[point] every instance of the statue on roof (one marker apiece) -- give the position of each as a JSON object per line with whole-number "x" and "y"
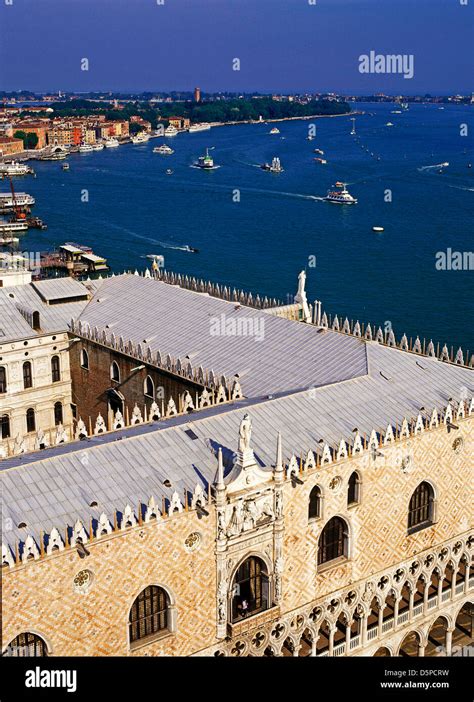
{"x": 245, "y": 433}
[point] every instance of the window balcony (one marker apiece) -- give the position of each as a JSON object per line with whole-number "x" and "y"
{"x": 253, "y": 621}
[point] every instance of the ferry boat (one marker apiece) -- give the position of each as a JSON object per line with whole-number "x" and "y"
{"x": 21, "y": 200}
{"x": 85, "y": 148}
{"x": 14, "y": 168}
{"x": 163, "y": 149}
{"x": 98, "y": 146}
{"x": 111, "y": 143}
{"x": 170, "y": 131}
{"x": 205, "y": 162}
{"x": 275, "y": 130}
{"x": 139, "y": 138}
{"x": 341, "y": 196}
{"x": 273, "y": 167}
{"x": 199, "y": 127}
{"x": 13, "y": 227}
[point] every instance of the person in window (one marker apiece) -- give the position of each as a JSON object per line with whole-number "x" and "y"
{"x": 244, "y": 606}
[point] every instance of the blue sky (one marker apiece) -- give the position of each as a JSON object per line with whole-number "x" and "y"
{"x": 283, "y": 45}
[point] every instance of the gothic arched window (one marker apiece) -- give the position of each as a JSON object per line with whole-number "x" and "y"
{"x": 30, "y": 420}
{"x": 115, "y": 372}
{"x": 84, "y": 359}
{"x": 149, "y": 613}
{"x": 421, "y": 508}
{"x": 353, "y": 489}
{"x": 315, "y": 500}
{"x": 333, "y": 542}
{"x": 55, "y": 369}
{"x": 27, "y": 375}
{"x": 25, "y": 645}
{"x": 250, "y": 589}
{"x": 149, "y": 387}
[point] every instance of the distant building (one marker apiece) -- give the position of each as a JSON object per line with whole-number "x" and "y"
{"x": 197, "y": 94}
{"x": 10, "y": 146}
{"x": 180, "y": 122}
{"x": 38, "y": 128}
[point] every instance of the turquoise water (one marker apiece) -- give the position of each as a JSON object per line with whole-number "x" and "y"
{"x": 263, "y": 241}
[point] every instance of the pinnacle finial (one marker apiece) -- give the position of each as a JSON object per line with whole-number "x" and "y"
{"x": 279, "y": 456}
{"x": 220, "y": 485}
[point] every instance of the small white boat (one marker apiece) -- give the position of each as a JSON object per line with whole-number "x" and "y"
{"x": 199, "y": 127}
{"x": 389, "y": 124}
{"x": 170, "y": 131}
{"x": 111, "y": 143}
{"x": 65, "y": 166}
{"x": 97, "y": 147}
{"x": 377, "y": 229}
{"x": 274, "y": 167}
{"x": 163, "y": 149}
{"x": 341, "y": 196}
{"x": 275, "y": 130}
{"x": 139, "y": 138}
{"x": 85, "y": 148}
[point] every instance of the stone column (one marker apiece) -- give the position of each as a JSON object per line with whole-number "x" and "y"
{"x": 425, "y": 596}
{"x": 363, "y": 630}
{"x": 380, "y": 622}
{"x": 421, "y": 651}
{"x": 348, "y": 637}
{"x": 449, "y": 642}
{"x": 466, "y": 579}
{"x": 453, "y": 585}
{"x": 395, "y": 612}
{"x": 411, "y": 602}
{"x": 314, "y": 643}
{"x": 332, "y": 631}
{"x": 440, "y": 589}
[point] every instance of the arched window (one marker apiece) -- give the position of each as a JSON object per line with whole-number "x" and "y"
{"x": 25, "y": 645}
{"x": 421, "y": 508}
{"x": 149, "y": 387}
{"x": 27, "y": 375}
{"x": 5, "y": 427}
{"x": 333, "y": 542}
{"x": 84, "y": 359}
{"x": 149, "y": 613}
{"x": 314, "y": 508}
{"x": 58, "y": 413}
{"x": 55, "y": 369}
{"x": 115, "y": 372}
{"x": 353, "y": 489}
{"x": 3, "y": 379}
{"x": 30, "y": 420}
{"x": 250, "y": 589}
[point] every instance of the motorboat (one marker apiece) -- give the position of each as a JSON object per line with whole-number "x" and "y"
{"x": 341, "y": 196}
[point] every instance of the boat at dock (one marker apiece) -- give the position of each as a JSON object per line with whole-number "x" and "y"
{"x": 170, "y": 131}
{"x": 13, "y": 227}
{"x": 54, "y": 153}
{"x": 341, "y": 196}
{"x": 274, "y": 167}
{"x": 140, "y": 138}
{"x": 8, "y": 201}
{"x": 199, "y": 127}
{"x": 8, "y": 241}
{"x": 163, "y": 149}
{"x": 14, "y": 168}
{"x": 111, "y": 143}
{"x": 98, "y": 146}
{"x": 85, "y": 148}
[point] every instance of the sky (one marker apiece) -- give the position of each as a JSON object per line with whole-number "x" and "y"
{"x": 282, "y": 45}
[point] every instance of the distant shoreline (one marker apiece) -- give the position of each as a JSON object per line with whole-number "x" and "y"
{"x": 283, "y": 119}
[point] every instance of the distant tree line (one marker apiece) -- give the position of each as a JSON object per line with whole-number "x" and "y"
{"x": 234, "y": 110}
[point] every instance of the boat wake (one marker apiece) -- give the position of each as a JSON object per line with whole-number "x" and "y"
{"x": 436, "y": 165}
{"x": 200, "y": 168}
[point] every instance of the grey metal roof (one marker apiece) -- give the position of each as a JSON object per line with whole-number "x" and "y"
{"x": 179, "y": 322}
{"x": 12, "y": 323}
{"x": 59, "y": 288}
{"x": 55, "y": 491}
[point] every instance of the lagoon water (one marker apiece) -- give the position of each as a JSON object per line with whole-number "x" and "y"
{"x": 262, "y": 241}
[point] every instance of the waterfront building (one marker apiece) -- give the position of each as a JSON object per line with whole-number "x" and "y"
{"x": 179, "y": 123}
{"x": 38, "y": 128}
{"x": 10, "y": 146}
{"x": 247, "y": 477}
